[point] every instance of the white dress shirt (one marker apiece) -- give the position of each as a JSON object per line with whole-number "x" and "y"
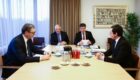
{"x": 83, "y": 35}
{"x": 25, "y": 40}
{"x": 116, "y": 40}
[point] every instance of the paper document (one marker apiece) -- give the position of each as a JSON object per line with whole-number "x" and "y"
{"x": 98, "y": 50}
{"x": 38, "y": 55}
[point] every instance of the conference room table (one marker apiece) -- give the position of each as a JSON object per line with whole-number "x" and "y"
{"x": 98, "y": 70}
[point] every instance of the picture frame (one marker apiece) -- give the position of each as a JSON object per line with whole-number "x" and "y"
{"x": 107, "y": 15}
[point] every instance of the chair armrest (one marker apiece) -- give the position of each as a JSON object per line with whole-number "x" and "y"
{"x": 132, "y": 69}
{"x": 10, "y": 67}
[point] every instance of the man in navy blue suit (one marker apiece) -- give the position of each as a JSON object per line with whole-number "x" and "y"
{"x": 21, "y": 50}
{"x": 59, "y": 36}
{"x": 120, "y": 50}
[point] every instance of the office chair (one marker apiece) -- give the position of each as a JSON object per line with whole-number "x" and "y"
{"x": 39, "y": 42}
{"x": 8, "y": 67}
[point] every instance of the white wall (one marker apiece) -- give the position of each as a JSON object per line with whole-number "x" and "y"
{"x": 137, "y": 7}
{"x": 87, "y": 11}
{"x": 137, "y": 10}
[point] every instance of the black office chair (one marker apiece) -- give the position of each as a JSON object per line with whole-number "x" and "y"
{"x": 2, "y": 62}
{"x": 134, "y": 71}
{"x": 39, "y": 42}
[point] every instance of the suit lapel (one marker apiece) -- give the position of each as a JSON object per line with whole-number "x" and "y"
{"x": 86, "y": 34}
{"x": 61, "y": 36}
{"x": 80, "y": 36}
{"x": 24, "y": 47}
{"x": 29, "y": 48}
{"x": 22, "y": 41}
{"x": 118, "y": 43}
{"x": 115, "y": 51}
{"x": 56, "y": 37}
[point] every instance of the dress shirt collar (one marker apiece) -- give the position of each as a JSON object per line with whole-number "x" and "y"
{"x": 25, "y": 39}
{"x": 116, "y": 40}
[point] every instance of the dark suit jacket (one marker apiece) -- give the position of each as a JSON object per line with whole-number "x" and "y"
{"x": 54, "y": 39}
{"x": 121, "y": 54}
{"x": 89, "y": 36}
{"x": 17, "y": 56}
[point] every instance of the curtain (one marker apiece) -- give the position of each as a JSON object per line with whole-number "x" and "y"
{"x": 67, "y": 14}
{"x": 15, "y": 13}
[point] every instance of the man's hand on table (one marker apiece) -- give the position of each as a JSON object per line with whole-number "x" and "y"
{"x": 46, "y": 56}
{"x": 99, "y": 56}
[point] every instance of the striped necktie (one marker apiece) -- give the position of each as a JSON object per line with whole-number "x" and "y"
{"x": 84, "y": 36}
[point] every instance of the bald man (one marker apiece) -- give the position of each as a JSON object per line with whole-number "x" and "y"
{"x": 59, "y": 37}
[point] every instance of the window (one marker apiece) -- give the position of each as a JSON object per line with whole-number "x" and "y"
{"x": 15, "y": 13}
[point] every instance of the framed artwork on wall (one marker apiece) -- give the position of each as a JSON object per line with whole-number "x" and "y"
{"x": 107, "y": 15}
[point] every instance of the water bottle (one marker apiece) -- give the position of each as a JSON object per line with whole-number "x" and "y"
{"x": 82, "y": 50}
{"x": 66, "y": 56}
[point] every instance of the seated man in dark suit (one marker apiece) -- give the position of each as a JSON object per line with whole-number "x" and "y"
{"x": 83, "y": 35}
{"x": 59, "y": 37}
{"x": 120, "y": 50}
{"x": 21, "y": 51}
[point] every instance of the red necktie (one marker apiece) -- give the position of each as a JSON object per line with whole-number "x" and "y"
{"x": 84, "y": 37}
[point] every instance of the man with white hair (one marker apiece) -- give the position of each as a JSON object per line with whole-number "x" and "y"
{"x": 59, "y": 37}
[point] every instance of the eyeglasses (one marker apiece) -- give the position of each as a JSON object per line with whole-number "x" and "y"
{"x": 32, "y": 32}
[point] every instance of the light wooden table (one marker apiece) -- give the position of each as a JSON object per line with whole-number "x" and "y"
{"x": 99, "y": 70}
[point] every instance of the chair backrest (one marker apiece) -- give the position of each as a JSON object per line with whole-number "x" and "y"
{"x": 38, "y": 40}
{"x": 138, "y": 69}
{"x": 138, "y": 65}
{"x": 1, "y": 62}
{"x": 136, "y": 59}
{"x": 109, "y": 42}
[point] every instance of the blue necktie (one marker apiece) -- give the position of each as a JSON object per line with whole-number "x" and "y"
{"x": 29, "y": 50}
{"x": 113, "y": 48}
{"x": 59, "y": 37}
{"x": 114, "y": 44}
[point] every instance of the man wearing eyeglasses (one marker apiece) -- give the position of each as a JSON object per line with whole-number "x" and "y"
{"x": 21, "y": 50}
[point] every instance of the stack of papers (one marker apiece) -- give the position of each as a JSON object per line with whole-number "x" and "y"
{"x": 98, "y": 50}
